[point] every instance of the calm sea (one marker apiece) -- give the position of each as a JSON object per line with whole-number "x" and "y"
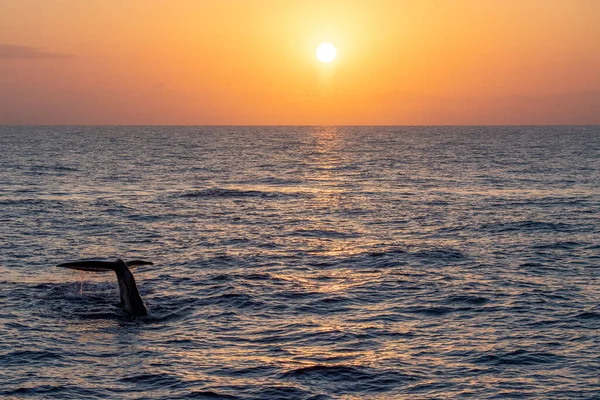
{"x": 302, "y": 262}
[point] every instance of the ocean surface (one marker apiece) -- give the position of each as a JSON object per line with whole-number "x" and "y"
{"x": 302, "y": 262}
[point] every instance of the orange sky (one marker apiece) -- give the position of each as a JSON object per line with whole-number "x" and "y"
{"x": 253, "y": 62}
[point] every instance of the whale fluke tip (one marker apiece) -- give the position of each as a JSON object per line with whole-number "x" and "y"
{"x": 135, "y": 263}
{"x": 89, "y": 265}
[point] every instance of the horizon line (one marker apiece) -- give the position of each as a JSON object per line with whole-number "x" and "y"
{"x": 299, "y": 125}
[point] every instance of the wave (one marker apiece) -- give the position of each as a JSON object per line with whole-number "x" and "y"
{"x": 433, "y": 311}
{"x": 56, "y": 391}
{"x": 440, "y": 253}
{"x": 52, "y": 168}
{"x": 237, "y": 300}
{"x": 518, "y": 357}
{"x": 30, "y": 201}
{"x": 29, "y": 356}
{"x": 207, "y": 394}
{"x": 527, "y": 226}
{"x": 589, "y": 315}
{"x": 335, "y": 372}
{"x": 235, "y": 193}
{"x": 154, "y": 380}
{"x": 467, "y": 299}
{"x": 386, "y": 252}
{"x": 352, "y": 377}
{"x": 324, "y": 233}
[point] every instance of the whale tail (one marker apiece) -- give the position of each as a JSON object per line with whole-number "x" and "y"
{"x": 130, "y": 297}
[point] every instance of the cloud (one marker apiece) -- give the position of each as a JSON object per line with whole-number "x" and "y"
{"x": 14, "y": 52}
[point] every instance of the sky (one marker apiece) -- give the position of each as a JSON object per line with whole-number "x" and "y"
{"x": 253, "y": 62}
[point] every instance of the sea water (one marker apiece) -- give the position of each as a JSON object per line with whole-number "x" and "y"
{"x": 302, "y": 262}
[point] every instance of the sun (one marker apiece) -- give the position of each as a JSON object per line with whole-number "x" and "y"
{"x": 326, "y": 52}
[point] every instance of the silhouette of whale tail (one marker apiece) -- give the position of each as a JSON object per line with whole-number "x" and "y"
{"x": 130, "y": 297}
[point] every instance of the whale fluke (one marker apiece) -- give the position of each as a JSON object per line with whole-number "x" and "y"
{"x": 130, "y": 297}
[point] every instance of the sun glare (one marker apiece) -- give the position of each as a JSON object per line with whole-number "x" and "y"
{"x": 326, "y": 52}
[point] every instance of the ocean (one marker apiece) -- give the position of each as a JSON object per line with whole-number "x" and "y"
{"x": 302, "y": 262}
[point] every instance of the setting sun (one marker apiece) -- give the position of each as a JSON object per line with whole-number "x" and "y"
{"x": 326, "y": 52}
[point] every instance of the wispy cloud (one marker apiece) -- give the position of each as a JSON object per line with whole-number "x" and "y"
{"x": 15, "y": 52}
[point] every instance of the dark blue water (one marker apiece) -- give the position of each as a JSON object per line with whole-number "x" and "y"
{"x": 302, "y": 262}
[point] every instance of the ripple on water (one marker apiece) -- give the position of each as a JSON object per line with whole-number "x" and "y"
{"x": 517, "y": 357}
{"x": 207, "y": 394}
{"x": 233, "y": 193}
{"x": 349, "y": 378}
{"x": 30, "y": 357}
{"x": 527, "y": 226}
